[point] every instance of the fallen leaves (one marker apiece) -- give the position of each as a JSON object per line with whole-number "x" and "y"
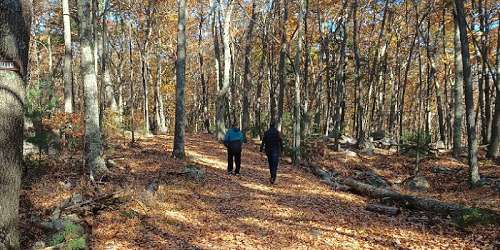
{"x": 227, "y": 212}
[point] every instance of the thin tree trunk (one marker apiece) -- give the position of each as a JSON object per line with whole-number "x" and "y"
{"x": 495, "y": 133}
{"x": 469, "y": 95}
{"x": 246, "y": 73}
{"x": 93, "y": 141}
{"x": 178, "y": 151}
{"x": 281, "y": 67}
{"x": 15, "y": 28}
{"x": 204, "y": 83}
{"x": 131, "y": 79}
{"x": 105, "y": 63}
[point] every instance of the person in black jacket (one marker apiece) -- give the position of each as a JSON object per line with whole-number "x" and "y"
{"x": 273, "y": 144}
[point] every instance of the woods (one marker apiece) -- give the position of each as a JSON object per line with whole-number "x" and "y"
{"x": 411, "y": 79}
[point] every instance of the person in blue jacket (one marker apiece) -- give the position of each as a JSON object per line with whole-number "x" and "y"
{"x": 233, "y": 141}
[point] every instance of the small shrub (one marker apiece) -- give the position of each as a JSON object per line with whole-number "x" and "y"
{"x": 195, "y": 172}
{"x": 73, "y": 237}
{"x": 414, "y": 143}
{"x": 473, "y": 216}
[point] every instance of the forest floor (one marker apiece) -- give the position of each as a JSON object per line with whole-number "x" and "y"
{"x": 219, "y": 211}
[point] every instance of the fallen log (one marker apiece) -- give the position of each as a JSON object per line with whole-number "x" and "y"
{"x": 462, "y": 213}
{"x": 381, "y": 209}
{"x": 96, "y": 204}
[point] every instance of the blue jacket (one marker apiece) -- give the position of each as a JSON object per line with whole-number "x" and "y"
{"x": 232, "y": 135}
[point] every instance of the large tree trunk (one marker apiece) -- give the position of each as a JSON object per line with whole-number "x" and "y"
{"x": 297, "y": 104}
{"x": 495, "y": 133}
{"x": 93, "y": 143}
{"x": 469, "y": 94}
{"x": 15, "y": 28}
{"x": 246, "y": 73}
{"x": 68, "y": 59}
{"x": 458, "y": 93}
{"x": 215, "y": 34}
{"x": 178, "y": 151}
{"x": 222, "y": 95}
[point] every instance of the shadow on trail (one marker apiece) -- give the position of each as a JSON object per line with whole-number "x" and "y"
{"x": 227, "y": 212}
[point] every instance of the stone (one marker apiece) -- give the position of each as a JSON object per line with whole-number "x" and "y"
{"x": 371, "y": 179}
{"x": 378, "y": 135}
{"x": 29, "y": 148}
{"x": 440, "y": 145}
{"x": 76, "y": 198}
{"x": 418, "y": 183}
{"x": 195, "y": 172}
{"x": 39, "y": 245}
{"x": 152, "y": 187}
{"x": 350, "y": 153}
{"x": 443, "y": 170}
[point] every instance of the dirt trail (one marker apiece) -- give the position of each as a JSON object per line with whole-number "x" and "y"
{"x": 228, "y": 212}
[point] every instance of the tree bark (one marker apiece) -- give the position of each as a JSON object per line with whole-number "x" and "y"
{"x": 105, "y": 64}
{"x": 222, "y": 95}
{"x": 68, "y": 60}
{"x": 282, "y": 65}
{"x": 297, "y": 104}
{"x": 495, "y": 133}
{"x": 178, "y": 151}
{"x": 469, "y": 94}
{"x": 93, "y": 142}
{"x": 131, "y": 79}
{"x": 246, "y": 73}
{"x": 15, "y": 28}
{"x": 458, "y": 93}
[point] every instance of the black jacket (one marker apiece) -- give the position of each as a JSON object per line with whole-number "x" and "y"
{"x": 272, "y": 141}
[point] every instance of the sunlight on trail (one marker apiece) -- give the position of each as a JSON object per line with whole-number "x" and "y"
{"x": 201, "y": 159}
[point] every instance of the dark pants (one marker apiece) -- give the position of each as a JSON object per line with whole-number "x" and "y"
{"x": 274, "y": 159}
{"x": 236, "y": 155}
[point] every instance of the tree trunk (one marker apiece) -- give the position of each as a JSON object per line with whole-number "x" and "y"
{"x": 93, "y": 141}
{"x": 495, "y": 133}
{"x": 204, "y": 82}
{"x": 469, "y": 94}
{"x": 360, "y": 134}
{"x": 105, "y": 64}
{"x": 458, "y": 93}
{"x": 246, "y": 74}
{"x": 222, "y": 95}
{"x": 282, "y": 65}
{"x": 145, "y": 91}
{"x": 68, "y": 59}
{"x": 15, "y": 28}
{"x": 162, "y": 126}
{"x": 297, "y": 104}
{"x": 215, "y": 34}
{"x": 131, "y": 79}
{"x": 178, "y": 151}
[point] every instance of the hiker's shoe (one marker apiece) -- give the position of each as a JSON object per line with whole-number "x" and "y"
{"x": 237, "y": 175}
{"x": 271, "y": 180}
{"x": 229, "y": 172}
